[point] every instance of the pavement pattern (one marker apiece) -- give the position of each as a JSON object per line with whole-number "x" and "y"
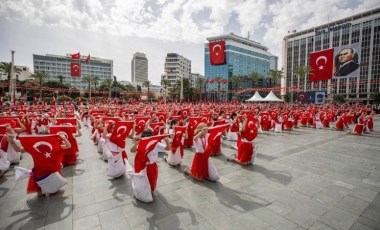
{"x": 303, "y": 179}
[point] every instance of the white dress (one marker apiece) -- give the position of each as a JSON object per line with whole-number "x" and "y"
{"x": 175, "y": 158}
{"x": 140, "y": 183}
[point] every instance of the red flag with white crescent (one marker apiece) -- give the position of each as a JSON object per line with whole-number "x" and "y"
{"x": 120, "y": 132}
{"x": 321, "y": 65}
{"x": 140, "y": 124}
{"x": 45, "y": 151}
{"x": 217, "y": 53}
{"x": 145, "y": 145}
{"x": 250, "y": 130}
{"x": 71, "y": 121}
{"x": 75, "y": 69}
{"x": 75, "y": 56}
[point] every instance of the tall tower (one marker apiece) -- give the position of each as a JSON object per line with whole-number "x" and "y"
{"x": 139, "y": 68}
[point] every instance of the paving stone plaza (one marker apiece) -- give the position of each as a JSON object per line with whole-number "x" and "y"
{"x": 303, "y": 179}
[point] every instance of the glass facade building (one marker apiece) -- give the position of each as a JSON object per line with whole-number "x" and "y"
{"x": 243, "y": 57}
{"x": 361, "y": 30}
{"x": 55, "y": 65}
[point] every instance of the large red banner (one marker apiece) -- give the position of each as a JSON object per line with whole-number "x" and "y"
{"x": 217, "y": 56}
{"x": 75, "y": 69}
{"x": 321, "y": 65}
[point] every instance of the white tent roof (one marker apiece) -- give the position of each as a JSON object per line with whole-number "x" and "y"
{"x": 271, "y": 97}
{"x": 256, "y": 97}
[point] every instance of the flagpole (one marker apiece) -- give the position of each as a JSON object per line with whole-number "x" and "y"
{"x": 11, "y": 83}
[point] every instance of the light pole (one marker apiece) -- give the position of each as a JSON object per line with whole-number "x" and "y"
{"x": 181, "y": 90}
{"x": 11, "y": 83}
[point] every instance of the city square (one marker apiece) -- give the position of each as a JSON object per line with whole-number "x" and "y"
{"x": 302, "y": 179}
{"x": 188, "y": 114}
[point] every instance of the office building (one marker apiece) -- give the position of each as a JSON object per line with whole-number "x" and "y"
{"x": 57, "y": 65}
{"x": 176, "y": 67}
{"x": 359, "y": 33}
{"x": 139, "y": 68}
{"x": 242, "y": 58}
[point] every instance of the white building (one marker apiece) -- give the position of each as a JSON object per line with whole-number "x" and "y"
{"x": 56, "y": 65}
{"x": 139, "y": 68}
{"x": 176, "y": 66}
{"x": 194, "y": 78}
{"x": 361, "y": 31}
{"x": 23, "y": 74}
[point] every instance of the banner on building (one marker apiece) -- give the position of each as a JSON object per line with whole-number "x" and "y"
{"x": 217, "y": 53}
{"x": 75, "y": 69}
{"x": 346, "y": 61}
{"x": 321, "y": 65}
{"x": 317, "y": 97}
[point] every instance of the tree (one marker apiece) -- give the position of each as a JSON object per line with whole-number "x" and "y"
{"x": 339, "y": 99}
{"x": 275, "y": 75}
{"x": 6, "y": 68}
{"x": 165, "y": 83}
{"x": 95, "y": 80}
{"x": 236, "y": 82}
{"x": 301, "y": 72}
{"x": 87, "y": 79}
{"x": 376, "y": 97}
{"x": 106, "y": 85}
{"x": 60, "y": 77}
{"x": 40, "y": 77}
{"x": 199, "y": 84}
{"x": 147, "y": 84}
{"x": 255, "y": 78}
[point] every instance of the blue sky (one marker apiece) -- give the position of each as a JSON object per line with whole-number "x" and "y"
{"x": 116, "y": 29}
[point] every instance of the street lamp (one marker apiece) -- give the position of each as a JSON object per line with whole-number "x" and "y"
{"x": 181, "y": 90}
{"x": 11, "y": 83}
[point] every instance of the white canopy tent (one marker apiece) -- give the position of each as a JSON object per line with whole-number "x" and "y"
{"x": 272, "y": 98}
{"x": 255, "y": 97}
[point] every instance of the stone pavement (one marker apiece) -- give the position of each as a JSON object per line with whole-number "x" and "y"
{"x": 304, "y": 179}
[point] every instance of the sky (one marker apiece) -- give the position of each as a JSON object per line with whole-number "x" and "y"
{"x": 116, "y": 29}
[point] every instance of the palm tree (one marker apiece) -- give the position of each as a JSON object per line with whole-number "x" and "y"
{"x": 95, "y": 80}
{"x": 275, "y": 75}
{"x": 236, "y": 82}
{"x": 60, "y": 77}
{"x": 255, "y": 78}
{"x": 301, "y": 72}
{"x": 165, "y": 83}
{"x": 147, "y": 84}
{"x": 199, "y": 84}
{"x": 87, "y": 79}
{"x": 40, "y": 77}
{"x": 5, "y": 67}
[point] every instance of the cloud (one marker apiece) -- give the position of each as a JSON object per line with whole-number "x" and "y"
{"x": 188, "y": 21}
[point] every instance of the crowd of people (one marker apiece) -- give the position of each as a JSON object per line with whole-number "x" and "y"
{"x": 48, "y": 133}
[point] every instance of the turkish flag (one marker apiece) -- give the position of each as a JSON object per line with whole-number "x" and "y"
{"x": 75, "y": 56}
{"x": 88, "y": 58}
{"x": 156, "y": 127}
{"x": 12, "y": 121}
{"x": 216, "y": 131}
{"x": 140, "y": 124}
{"x": 250, "y": 130}
{"x": 185, "y": 112}
{"x": 321, "y": 65}
{"x": 145, "y": 145}
{"x": 75, "y": 69}
{"x": 177, "y": 138}
{"x": 71, "y": 121}
{"x": 120, "y": 132}
{"x": 216, "y": 49}
{"x": 162, "y": 117}
{"x": 45, "y": 151}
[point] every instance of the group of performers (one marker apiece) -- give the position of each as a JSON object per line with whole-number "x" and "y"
{"x": 48, "y": 134}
